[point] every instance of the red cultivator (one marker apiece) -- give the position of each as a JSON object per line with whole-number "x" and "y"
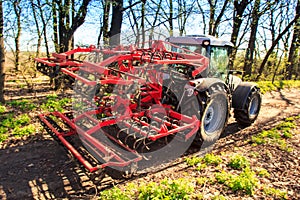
{"x": 126, "y": 102}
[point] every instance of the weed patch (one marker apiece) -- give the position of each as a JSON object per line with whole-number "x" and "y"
{"x": 275, "y": 193}
{"x": 2, "y": 109}
{"x": 23, "y": 105}
{"x": 277, "y": 135}
{"x": 53, "y": 104}
{"x": 245, "y": 181}
{"x": 238, "y": 162}
{"x": 261, "y": 172}
{"x": 212, "y": 159}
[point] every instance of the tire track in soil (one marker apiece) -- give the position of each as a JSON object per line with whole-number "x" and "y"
{"x": 39, "y": 168}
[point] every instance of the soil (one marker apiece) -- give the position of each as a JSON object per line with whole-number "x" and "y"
{"x": 37, "y": 167}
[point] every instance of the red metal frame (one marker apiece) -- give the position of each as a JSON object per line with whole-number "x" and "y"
{"x": 121, "y": 70}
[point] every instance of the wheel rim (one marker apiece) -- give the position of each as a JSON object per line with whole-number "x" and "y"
{"x": 214, "y": 116}
{"x": 253, "y": 106}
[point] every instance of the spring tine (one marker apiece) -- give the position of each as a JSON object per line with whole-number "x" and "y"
{"x": 145, "y": 145}
{"x": 133, "y": 133}
{"x": 155, "y": 114}
{"x": 145, "y": 119}
{"x": 155, "y": 124}
{"x": 122, "y": 130}
{"x": 137, "y": 143}
{"x": 145, "y": 129}
{"x": 152, "y": 132}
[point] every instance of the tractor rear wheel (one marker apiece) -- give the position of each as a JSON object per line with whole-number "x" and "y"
{"x": 250, "y": 112}
{"x": 214, "y": 117}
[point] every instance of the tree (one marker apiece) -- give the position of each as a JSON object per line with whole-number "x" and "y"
{"x": 275, "y": 42}
{"x": 184, "y": 12}
{"x": 251, "y": 44}
{"x": 67, "y": 18}
{"x": 214, "y": 22}
{"x": 239, "y": 9}
{"x": 2, "y": 55}
{"x": 116, "y": 23}
{"x": 105, "y": 23}
{"x": 17, "y": 11}
{"x": 293, "y": 58}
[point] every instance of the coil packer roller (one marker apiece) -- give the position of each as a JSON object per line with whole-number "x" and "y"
{"x": 123, "y": 109}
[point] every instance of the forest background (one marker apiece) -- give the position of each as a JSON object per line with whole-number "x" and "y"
{"x": 265, "y": 34}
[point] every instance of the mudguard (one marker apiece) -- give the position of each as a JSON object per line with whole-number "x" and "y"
{"x": 240, "y": 95}
{"x": 204, "y": 84}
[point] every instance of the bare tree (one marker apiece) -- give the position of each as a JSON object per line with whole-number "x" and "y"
{"x": 184, "y": 12}
{"x": 156, "y": 17}
{"x": 42, "y": 16}
{"x": 277, "y": 39}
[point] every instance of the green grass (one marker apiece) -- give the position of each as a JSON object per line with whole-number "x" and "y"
{"x": 218, "y": 197}
{"x": 202, "y": 162}
{"x": 182, "y": 188}
{"x": 10, "y": 121}
{"x": 268, "y": 86}
{"x": 17, "y": 126}
{"x": 193, "y": 161}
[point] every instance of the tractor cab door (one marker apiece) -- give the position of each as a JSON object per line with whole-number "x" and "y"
{"x": 219, "y": 60}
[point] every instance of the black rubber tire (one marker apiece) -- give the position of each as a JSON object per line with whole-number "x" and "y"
{"x": 214, "y": 117}
{"x": 251, "y": 110}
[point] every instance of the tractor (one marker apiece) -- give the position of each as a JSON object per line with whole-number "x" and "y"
{"x": 219, "y": 88}
{"x": 136, "y": 104}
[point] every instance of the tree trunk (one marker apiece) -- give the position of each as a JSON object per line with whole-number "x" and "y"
{"x": 293, "y": 58}
{"x": 17, "y": 10}
{"x": 251, "y": 45}
{"x": 219, "y": 17}
{"x": 2, "y": 55}
{"x": 105, "y": 22}
{"x": 55, "y": 27}
{"x": 143, "y": 24}
{"x": 212, "y": 10}
{"x": 39, "y": 40}
{"x": 239, "y": 9}
{"x": 116, "y": 23}
{"x": 171, "y": 18}
{"x": 156, "y": 16}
